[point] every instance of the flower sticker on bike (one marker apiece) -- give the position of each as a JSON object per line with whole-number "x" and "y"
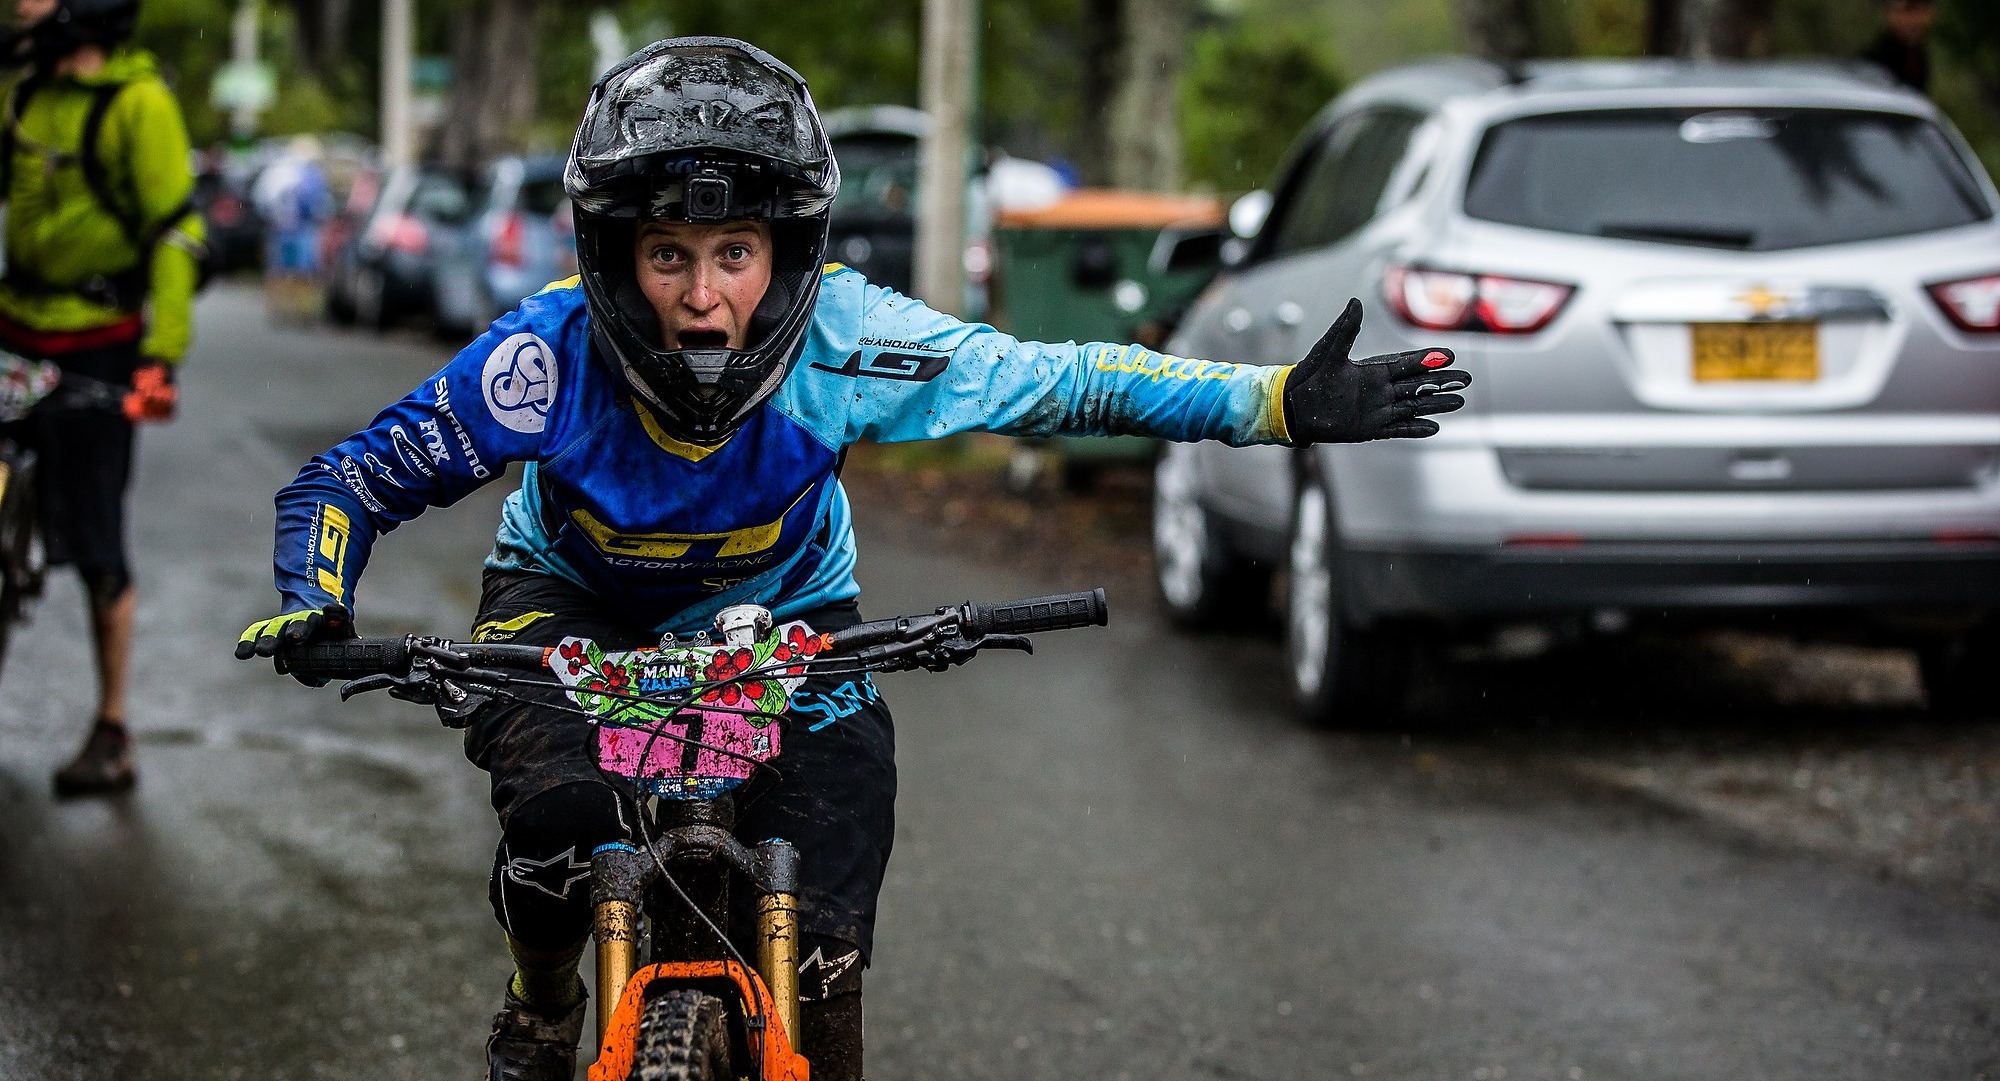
{"x": 706, "y": 718}
{"x": 519, "y": 382}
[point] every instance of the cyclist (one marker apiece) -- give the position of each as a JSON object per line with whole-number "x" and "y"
{"x": 102, "y": 243}
{"x": 682, "y": 407}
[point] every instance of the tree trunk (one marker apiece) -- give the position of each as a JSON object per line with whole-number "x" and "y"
{"x": 493, "y": 82}
{"x": 1663, "y": 27}
{"x": 323, "y": 27}
{"x": 1145, "y": 144}
{"x": 1103, "y": 34}
{"x": 1499, "y": 29}
{"x": 1726, "y": 29}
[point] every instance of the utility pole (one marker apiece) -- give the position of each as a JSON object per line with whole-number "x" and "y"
{"x": 396, "y": 111}
{"x": 243, "y": 52}
{"x": 947, "y": 98}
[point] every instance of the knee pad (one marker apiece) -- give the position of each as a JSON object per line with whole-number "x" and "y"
{"x": 540, "y": 887}
{"x": 829, "y": 967}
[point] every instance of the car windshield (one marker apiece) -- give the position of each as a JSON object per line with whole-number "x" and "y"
{"x": 1751, "y": 180}
{"x": 878, "y": 178}
{"x": 542, "y": 195}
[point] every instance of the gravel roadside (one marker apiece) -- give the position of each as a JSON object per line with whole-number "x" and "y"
{"x": 1821, "y": 747}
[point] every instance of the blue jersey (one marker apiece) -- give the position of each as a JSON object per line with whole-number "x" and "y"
{"x": 668, "y": 533}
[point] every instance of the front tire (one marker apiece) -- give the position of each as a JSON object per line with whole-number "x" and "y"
{"x": 22, "y": 561}
{"x": 1341, "y": 674}
{"x": 683, "y": 1036}
{"x": 1201, "y": 583}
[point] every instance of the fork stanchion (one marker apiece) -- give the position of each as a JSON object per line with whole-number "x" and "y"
{"x": 617, "y": 931}
{"x": 778, "y": 932}
{"x": 615, "y": 886}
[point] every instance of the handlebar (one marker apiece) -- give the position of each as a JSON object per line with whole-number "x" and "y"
{"x": 874, "y": 643}
{"x": 354, "y": 658}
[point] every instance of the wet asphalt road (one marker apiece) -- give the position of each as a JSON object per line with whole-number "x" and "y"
{"x": 1116, "y": 859}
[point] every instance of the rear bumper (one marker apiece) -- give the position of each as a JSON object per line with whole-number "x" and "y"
{"x": 1650, "y": 578}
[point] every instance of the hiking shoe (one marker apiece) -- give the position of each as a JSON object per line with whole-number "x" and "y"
{"x": 104, "y": 764}
{"x": 526, "y": 1046}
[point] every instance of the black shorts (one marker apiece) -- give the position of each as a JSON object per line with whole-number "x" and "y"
{"x": 85, "y": 465}
{"x": 834, "y": 793}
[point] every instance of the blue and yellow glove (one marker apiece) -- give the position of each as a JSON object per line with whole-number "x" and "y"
{"x": 266, "y": 637}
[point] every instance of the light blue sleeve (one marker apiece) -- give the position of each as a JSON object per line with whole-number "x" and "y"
{"x": 898, "y": 371}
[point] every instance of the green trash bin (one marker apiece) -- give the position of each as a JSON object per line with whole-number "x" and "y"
{"x": 1083, "y": 270}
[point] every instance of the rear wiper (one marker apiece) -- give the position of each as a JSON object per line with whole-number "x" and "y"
{"x": 1706, "y": 236}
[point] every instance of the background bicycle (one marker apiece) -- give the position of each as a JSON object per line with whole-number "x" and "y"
{"x": 28, "y": 387}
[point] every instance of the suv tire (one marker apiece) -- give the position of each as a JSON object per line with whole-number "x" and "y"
{"x": 1340, "y": 674}
{"x": 1202, "y": 583}
{"x": 1958, "y": 672}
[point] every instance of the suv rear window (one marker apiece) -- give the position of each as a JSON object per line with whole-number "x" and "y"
{"x": 1747, "y": 179}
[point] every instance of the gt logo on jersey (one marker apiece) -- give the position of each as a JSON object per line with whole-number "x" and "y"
{"x": 906, "y": 367}
{"x": 330, "y": 549}
{"x": 737, "y": 543}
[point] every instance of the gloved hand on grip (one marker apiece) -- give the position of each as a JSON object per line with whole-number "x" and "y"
{"x": 153, "y": 395}
{"x": 265, "y": 637}
{"x": 1332, "y": 399}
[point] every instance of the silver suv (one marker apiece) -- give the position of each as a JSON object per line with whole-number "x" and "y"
{"x": 1736, "y": 331}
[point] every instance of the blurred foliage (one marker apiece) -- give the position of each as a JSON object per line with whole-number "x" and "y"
{"x": 1247, "y": 93}
{"x": 1258, "y": 69}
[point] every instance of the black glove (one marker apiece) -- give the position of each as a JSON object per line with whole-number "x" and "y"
{"x": 266, "y": 637}
{"x": 1331, "y": 399}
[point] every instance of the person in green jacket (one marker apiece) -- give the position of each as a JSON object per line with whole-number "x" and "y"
{"x": 102, "y": 256}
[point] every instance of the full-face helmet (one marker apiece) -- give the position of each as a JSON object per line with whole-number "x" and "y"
{"x": 700, "y": 129}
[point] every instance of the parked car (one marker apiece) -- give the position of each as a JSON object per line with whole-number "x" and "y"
{"x": 222, "y": 195}
{"x": 1735, "y": 332}
{"x": 382, "y": 273}
{"x": 523, "y": 240}
{"x": 875, "y": 212}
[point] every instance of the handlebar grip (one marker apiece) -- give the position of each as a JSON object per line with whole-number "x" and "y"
{"x": 350, "y": 658}
{"x": 1059, "y": 612}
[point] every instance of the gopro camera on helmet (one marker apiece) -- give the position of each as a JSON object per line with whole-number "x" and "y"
{"x": 706, "y": 197}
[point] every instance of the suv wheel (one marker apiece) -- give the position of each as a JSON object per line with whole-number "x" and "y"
{"x": 1341, "y": 674}
{"x": 1957, "y": 672}
{"x": 1200, "y": 581}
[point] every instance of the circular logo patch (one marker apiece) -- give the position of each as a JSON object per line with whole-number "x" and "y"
{"x": 520, "y": 383}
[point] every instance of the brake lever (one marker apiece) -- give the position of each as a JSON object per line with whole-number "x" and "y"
{"x": 956, "y": 651}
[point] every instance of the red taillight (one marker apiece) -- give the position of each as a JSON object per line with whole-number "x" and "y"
{"x": 401, "y": 232}
{"x": 1973, "y": 304}
{"x": 1486, "y": 303}
{"x": 509, "y": 241}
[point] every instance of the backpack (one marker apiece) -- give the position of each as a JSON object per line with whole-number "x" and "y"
{"x": 125, "y": 290}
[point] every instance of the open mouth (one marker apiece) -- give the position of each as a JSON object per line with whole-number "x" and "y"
{"x": 704, "y": 339}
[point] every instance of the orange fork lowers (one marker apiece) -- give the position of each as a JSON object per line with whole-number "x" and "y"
{"x": 621, "y": 1029}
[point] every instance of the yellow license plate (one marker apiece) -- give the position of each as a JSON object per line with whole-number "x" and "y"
{"x": 1766, "y": 352}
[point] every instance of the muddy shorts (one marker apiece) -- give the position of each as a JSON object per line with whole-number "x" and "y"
{"x": 833, "y": 795}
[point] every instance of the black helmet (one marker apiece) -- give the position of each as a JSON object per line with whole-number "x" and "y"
{"x": 72, "y": 24}
{"x": 700, "y": 129}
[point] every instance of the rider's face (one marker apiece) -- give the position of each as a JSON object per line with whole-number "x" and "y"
{"x": 30, "y": 12}
{"x": 703, "y": 281}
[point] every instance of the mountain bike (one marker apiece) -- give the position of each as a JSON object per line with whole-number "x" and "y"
{"x": 28, "y": 387}
{"x": 680, "y": 727}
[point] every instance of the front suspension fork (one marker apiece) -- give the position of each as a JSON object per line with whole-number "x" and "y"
{"x": 619, "y": 875}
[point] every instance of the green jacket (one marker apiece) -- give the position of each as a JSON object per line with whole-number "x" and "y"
{"x": 58, "y": 231}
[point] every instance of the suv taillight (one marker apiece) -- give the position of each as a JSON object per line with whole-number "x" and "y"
{"x": 1971, "y": 303}
{"x": 509, "y": 241}
{"x": 1485, "y": 303}
{"x": 401, "y": 232}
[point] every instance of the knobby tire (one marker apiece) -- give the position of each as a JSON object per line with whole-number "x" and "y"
{"x": 683, "y": 1036}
